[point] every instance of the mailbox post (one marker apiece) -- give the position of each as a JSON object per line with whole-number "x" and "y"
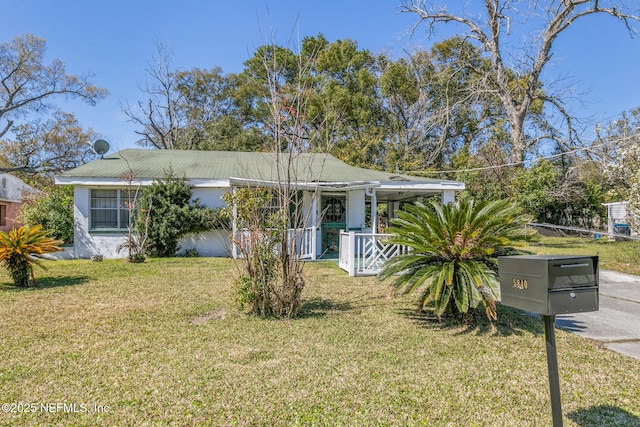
{"x": 550, "y": 285}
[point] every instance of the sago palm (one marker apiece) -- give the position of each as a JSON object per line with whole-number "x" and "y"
{"x": 454, "y": 249}
{"x": 19, "y": 248}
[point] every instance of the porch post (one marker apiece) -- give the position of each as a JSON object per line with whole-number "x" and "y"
{"x": 393, "y": 207}
{"x": 314, "y": 225}
{"x": 351, "y": 253}
{"x": 448, "y": 197}
{"x": 374, "y": 212}
{"x": 234, "y": 230}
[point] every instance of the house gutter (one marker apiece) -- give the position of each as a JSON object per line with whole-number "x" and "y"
{"x": 311, "y": 186}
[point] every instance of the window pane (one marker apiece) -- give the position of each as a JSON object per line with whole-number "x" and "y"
{"x": 104, "y": 199}
{"x": 104, "y": 218}
{"x": 104, "y": 209}
{"x": 124, "y": 218}
{"x": 126, "y": 198}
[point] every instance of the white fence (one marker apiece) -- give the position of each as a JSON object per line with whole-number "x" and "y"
{"x": 303, "y": 239}
{"x": 363, "y": 254}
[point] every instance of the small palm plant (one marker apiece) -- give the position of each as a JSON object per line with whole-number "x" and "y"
{"x": 454, "y": 249}
{"x": 19, "y": 248}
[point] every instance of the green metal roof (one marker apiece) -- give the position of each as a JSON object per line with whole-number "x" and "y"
{"x": 222, "y": 165}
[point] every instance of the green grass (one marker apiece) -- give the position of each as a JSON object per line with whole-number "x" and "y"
{"x": 161, "y": 343}
{"x": 623, "y": 256}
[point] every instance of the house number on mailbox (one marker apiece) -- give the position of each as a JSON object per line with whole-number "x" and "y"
{"x": 520, "y": 283}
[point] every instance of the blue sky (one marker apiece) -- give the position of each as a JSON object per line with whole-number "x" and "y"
{"x": 114, "y": 39}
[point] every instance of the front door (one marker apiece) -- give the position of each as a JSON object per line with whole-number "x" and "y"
{"x": 334, "y": 214}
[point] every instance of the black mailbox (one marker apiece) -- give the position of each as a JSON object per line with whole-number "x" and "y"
{"x": 549, "y": 284}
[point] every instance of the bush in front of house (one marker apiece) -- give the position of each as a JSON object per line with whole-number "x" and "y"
{"x": 270, "y": 281}
{"x": 19, "y": 249}
{"x": 53, "y": 210}
{"x": 167, "y": 213}
{"x": 454, "y": 250}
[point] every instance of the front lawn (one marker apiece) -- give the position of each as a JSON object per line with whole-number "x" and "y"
{"x": 161, "y": 343}
{"x": 621, "y": 256}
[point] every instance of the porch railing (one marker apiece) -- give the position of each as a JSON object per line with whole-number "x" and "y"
{"x": 363, "y": 254}
{"x": 303, "y": 239}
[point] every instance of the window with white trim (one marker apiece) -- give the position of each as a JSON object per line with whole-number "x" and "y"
{"x": 109, "y": 209}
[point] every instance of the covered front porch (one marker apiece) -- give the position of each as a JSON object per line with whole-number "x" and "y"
{"x": 348, "y": 221}
{"x": 364, "y": 254}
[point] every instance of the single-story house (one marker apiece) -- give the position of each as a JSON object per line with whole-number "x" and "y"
{"x": 13, "y": 192}
{"x": 338, "y": 198}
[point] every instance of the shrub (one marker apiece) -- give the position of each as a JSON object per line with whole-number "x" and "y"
{"x": 191, "y": 253}
{"x": 454, "y": 252}
{"x": 52, "y": 210}
{"x": 167, "y": 212}
{"x": 270, "y": 283}
{"x": 19, "y": 248}
{"x": 135, "y": 243}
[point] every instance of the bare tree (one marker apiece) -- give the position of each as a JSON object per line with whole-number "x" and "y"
{"x": 27, "y": 84}
{"x": 273, "y": 216}
{"x": 492, "y": 30}
{"x": 137, "y": 234}
{"x": 46, "y": 147}
{"x": 158, "y": 115}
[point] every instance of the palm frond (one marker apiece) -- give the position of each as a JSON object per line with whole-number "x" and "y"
{"x": 454, "y": 250}
{"x": 19, "y": 248}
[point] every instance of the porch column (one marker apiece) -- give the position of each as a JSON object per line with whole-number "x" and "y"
{"x": 314, "y": 225}
{"x": 234, "y": 230}
{"x": 351, "y": 254}
{"x": 374, "y": 212}
{"x": 393, "y": 207}
{"x": 448, "y": 197}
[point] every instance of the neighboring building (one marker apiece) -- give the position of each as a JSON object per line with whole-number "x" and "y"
{"x": 12, "y": 195}
{"x": 337, "y": 197}
{"x": 617, "y": 218}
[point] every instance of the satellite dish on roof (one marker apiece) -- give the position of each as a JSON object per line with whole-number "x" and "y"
{"x": 101, "y": 147}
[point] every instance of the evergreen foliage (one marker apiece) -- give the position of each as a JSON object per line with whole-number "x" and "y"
{"x": 454, "y": 250}
{"x": 173, "y": 214}
{"x": 443, "y": 108}
{"x": 546, "y": 191}
{"x": 52, "y": 210}
{"x": 19, "y": 248}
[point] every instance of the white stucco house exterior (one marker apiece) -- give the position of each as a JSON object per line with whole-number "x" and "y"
{"x": 337, "y": 197}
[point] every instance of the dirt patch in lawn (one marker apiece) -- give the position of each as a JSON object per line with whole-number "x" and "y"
{"x": 216, "y": 314}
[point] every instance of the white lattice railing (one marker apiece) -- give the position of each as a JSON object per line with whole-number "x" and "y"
{"x": 303, "y": 239}
{"x": 364, "y": 253}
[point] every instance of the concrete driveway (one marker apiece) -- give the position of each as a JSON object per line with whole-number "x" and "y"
{"x": 617, "y": 323}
